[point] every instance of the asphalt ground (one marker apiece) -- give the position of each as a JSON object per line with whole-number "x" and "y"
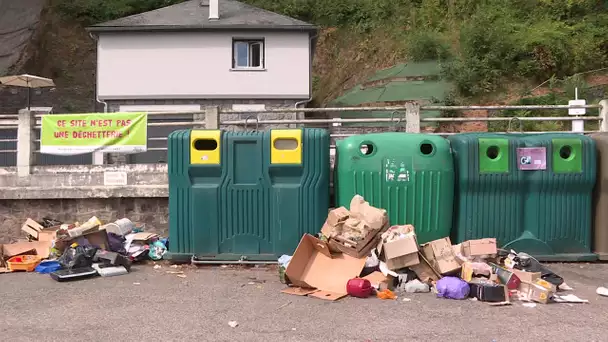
{"x": 160, "y": 304}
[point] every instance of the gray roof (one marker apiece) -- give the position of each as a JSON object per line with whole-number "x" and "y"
{"x": 194, "y": 15}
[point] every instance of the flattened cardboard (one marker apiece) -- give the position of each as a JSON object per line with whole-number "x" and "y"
{"x": 298, "y": 291}
{"x": 400, "y": 253}
{"x": 440, "y": 255}
{"x": 142, "y": 236}
{"x": 313, "y": 266}
{"x": 40, "y": 248}
{"x": 479, "y": 247}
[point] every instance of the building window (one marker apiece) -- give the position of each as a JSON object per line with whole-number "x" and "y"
{"x": 247, "y": 54}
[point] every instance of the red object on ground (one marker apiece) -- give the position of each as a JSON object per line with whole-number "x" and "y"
{"x": 358, "y": 287}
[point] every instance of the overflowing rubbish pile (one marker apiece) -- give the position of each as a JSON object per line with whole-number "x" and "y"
{"x": 71, "y": 251}
{"x": 358, "y": 254}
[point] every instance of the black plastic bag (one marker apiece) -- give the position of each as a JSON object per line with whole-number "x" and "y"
{"x": 49, "y": 222}
{"x": 528, "y": 263}
{"x": 76, "y": 257}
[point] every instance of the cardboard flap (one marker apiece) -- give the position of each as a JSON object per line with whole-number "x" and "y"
{"x": 298, "y": 291}
{"x": 144, "y": 236}
{"x": 312, "y": 266}
{"x": 41, "y": 248}
{"x": 321, "y": 247}
{"x": 325, "y": 295}
{"x": 397, "y": 248}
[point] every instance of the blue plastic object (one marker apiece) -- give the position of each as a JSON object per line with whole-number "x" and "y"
{"x": 47, "y": 267}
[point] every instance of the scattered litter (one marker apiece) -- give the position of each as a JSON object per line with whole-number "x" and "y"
{"x": 529, "y": 305}
{"x": 293, "y": 329}
{"x": 500, "y": 304}
{"x": 175, "y": 266}
{"x": 386, "y": 294}
{"x": 452, "y": 288}
{"x": 175, "y": 272}
{"x": 181, "y": 275}
{"x": 569, "y": 298}
{"x": 136, "y": 283}
{"x": 407, "y": 299}
{"x": 602, "y": 291}
{"x": 564, "y": 287}
{"x": 233, "y": 324}
{"x": 415, "y": 286}
{"x": 77, "y": 251}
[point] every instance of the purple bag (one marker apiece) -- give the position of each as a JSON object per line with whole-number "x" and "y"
{"x": 452, "y": 288}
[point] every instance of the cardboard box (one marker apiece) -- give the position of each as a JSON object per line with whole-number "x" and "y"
{"x": 32, "y": 228}
{"x": 440, "y": 256}
{"x": 40, "y": 248}
{"x": 528, "y": 277}
{"x": 357, "y": 249}
{"x": 49, "y": 234}
{"x": 337, "y": 216}
{"x": 400, "y": 253}
{"x": 536, "y": 293}
{"x": 479, "y": 247}
{"x": 424, "y": 271}
{"x": 98, "y": 239}
{"x": 314, "y": 271}
{"x": 379, "y": 280}
{"x": 466, "y": 273}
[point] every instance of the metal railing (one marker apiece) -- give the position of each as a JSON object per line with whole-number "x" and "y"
{"x": 405, "y": 118}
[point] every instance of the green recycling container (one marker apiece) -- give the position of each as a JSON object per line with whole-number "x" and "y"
{"x": 245, "y": 195}
{"x": 409, "y": 175}
{"x": 533, "y": 193}
{"x": 490, "y": 192}
{"x": 560, "y": 172}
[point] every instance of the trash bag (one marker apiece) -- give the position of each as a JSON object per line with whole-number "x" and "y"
{"x": 526, "y": 262}
{"x": 79, "y": 256}
{"x": 49, "y": 222}
{"x": 116, "y": 243}
{"x": 452, "y": 288}
{"x": 157, "y": 250}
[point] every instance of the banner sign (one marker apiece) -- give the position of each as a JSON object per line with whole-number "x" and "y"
{"x": 72, "y": 134}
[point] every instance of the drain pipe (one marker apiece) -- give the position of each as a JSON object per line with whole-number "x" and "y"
{"x": 310, "y": 48}
{"x": 105, "y": 104}
{"x": 98, "y": 157}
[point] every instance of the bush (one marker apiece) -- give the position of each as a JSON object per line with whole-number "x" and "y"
{"x": 427, "y": 45}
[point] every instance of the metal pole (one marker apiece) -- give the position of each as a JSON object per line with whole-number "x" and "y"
{"x": 604, "y": 116}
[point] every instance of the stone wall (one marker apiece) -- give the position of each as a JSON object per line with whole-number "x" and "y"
{"x": 151, "y": 211}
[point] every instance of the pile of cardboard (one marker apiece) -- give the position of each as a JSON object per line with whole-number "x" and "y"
{"x": 355, "y": 232}
{"x": 358, "y": 243}
{"x": 50, "y": 241}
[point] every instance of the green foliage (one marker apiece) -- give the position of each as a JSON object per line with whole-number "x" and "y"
{"x": 482, "y": 44}
{"x": 90, "y": 12}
